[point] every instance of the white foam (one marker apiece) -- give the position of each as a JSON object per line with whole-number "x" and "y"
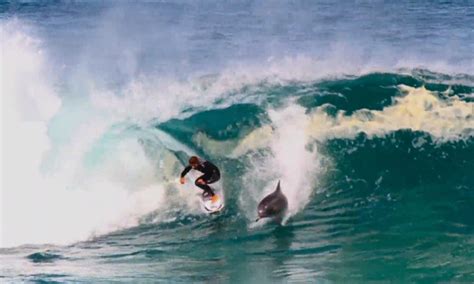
{"x": 418, "y": 110}
{"x": 289, "y": 161}
{"x": 162, "y": 98}
{"x": 296, "y": 165}
{"x": 71, "y": 201}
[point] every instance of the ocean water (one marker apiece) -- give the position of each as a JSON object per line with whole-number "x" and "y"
{"x": 363, "y": 110}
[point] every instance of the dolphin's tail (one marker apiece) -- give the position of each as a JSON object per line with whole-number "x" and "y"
{"x": 278, "y": 186}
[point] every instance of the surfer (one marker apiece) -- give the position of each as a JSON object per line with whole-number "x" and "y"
{"x": 210, "y": 175}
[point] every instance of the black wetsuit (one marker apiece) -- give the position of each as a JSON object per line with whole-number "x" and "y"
{"x": 210, "y": 175}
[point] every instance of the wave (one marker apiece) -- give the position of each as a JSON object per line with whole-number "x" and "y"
{"x": 84, "y": 161}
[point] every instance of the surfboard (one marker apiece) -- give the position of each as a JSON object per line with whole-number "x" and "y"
{"x": 211, "y": 207}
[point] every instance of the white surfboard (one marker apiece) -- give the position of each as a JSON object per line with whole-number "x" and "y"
{"x": 212, "y": 207}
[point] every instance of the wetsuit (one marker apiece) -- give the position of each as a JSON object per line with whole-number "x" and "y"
{"x": 210, "y": 175}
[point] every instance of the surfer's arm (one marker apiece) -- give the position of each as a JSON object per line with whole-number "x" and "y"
{"x": 182, "y": 180}
{"x": 185, "y": 171}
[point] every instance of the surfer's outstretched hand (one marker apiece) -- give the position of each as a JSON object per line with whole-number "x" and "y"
{"x": 182, "y": 180}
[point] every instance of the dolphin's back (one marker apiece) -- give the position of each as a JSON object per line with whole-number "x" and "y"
{"x": 274, "y": 203}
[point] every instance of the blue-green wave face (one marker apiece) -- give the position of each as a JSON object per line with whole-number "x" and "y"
{"x": 103, "y": 111}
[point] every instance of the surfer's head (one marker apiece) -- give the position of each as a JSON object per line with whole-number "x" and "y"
{"x": 194, "y": 161}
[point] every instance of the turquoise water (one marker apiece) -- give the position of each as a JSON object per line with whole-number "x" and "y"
{"x": 374, "y": 149}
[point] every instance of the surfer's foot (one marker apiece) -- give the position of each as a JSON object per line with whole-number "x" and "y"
{"x": 214, "y": 198}
{"x": 208, "y": 194}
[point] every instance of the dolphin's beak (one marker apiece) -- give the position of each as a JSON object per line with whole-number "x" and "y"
{"x": 257, "y": 219}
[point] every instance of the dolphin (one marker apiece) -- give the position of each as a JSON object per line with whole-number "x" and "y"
{"x": 273, "y": 205}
